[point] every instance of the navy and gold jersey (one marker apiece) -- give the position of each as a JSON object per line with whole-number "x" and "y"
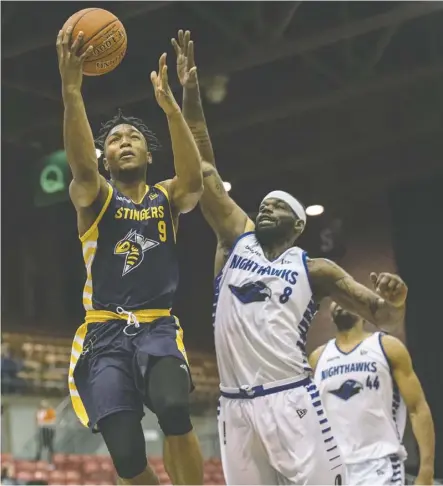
{"x": 130, "y": 254}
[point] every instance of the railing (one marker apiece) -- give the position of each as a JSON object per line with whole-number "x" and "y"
{"x": 71, "y": 437}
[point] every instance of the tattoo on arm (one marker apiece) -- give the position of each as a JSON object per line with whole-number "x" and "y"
{"x": 330, "y": 280}
{"x": 201, "y": 137}
{"x": 358, "y": 294}
{"x": 214, "y": 182}
{"x": 195, "y": 117}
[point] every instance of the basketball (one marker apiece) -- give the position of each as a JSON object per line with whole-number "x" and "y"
{"x": 104, "y": 31}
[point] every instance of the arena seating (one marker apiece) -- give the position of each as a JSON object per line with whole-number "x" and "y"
{"x": 44, "y": 366}
{"x": 93, "y": 470}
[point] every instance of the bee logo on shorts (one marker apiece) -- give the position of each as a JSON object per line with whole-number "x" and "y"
{"x": 133, "y": 247}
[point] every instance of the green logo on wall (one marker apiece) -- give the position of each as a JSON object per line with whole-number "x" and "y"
{"x": 53, "y": 177}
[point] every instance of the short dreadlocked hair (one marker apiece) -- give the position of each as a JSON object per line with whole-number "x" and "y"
{"x": 119, "y": 119}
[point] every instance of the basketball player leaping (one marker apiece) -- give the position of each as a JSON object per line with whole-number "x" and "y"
{"x": 129, "y": 352}
{"x": 364, "y": 380}
{"x": 272, "y": 426}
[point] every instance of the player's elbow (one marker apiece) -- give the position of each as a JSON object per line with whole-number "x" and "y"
{"x": 192, "y": 186}
{"x": 419, "y": 407}
{"x": 195, "y": 185}
{"x": 189, "y": 202}
{"x": 84, "y": 192}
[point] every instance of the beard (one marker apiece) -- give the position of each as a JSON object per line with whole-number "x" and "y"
{"x": 271, "y": 235}
{"x": 267, "y": 236}
{"x": 345, "y": 321}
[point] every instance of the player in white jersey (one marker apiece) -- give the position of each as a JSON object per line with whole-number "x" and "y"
{"x": 366, "y": 381}
{"x": 272, "y": 426}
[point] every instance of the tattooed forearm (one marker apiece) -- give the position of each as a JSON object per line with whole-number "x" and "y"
{"x": 363, "y": 301}
{"x": 358, "y": 295}
{"x": 213, "y": 181}
{"x": 201, "y": 137}
{"x": 195, "y": 117}
{"x": 192, "y": 106}
{"x": 330, "y": 280}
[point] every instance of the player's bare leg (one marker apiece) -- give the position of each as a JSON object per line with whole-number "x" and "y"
{"x": 146, "y": 477}
{"x": 183, "y": 459}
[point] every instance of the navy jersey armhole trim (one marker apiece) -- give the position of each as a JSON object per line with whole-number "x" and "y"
{"x": 232, "y": 249}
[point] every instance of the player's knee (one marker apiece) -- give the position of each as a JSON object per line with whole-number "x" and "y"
{"x": 174, "y": 417}
{"x": 128, "y": 464}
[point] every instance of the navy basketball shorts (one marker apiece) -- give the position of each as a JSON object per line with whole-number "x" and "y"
{"x": 112, "y": 369}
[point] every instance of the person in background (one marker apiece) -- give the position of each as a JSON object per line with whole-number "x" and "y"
{"x": 46, "y": 420}
{"x": 10, "y": 366}
{"x": 272, "y": 426}
{"x": 367, "y": 384}
{"x": 7, "y": 474}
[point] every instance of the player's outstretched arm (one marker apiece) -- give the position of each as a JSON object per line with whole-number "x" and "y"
{"x": 186, "y": 187}
{"x": 418, "y": 408}
{"x": 385, "y": 307}
{"x": 77, "y": 134}
{"x": 192, "y": 103}
{"x": 224, "y": 216}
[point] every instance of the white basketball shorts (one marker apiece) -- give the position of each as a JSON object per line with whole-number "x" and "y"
{"x": 277, "y": 434}
{"x": 383, "y": 471}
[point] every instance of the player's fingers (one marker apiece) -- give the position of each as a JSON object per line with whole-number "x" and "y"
{"x": 66, "y": 40}
{"x": 76, "y": 45}
{"x": 191, "y": 62}
{"x": 397, "y": 290}
{"x": 392, "y": 284}
{"x": 193, "y": 73}
{"x": 161, "y": 63}
{"x": 373, "y": 277}
{"x": 164, "y": 79}
{"x": 58, "y": 43}
{"x": 154, "y": 79}
{"x": 401, "y": 287}
{"x": 186, "y": 41}
{"x": 180, "y": 38}
{"x": 383, "y": 283}
{"x": 176, "y": 47}
{"x": 380, "y": 277}
{"x": 87, "y": 53}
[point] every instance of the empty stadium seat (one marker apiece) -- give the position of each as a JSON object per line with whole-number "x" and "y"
{"x": 72, "y": 475}
{"x": 59, "y": 460}
{"x": 57, "y": 477}
{"x": 46, "y": 365}
{"x": 25, "y": 466}
{"x": 41, "y": 476}
{"x": 41, "y": 466}
{"x": 24, "y": 476}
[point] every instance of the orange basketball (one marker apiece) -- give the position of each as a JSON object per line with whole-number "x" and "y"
{"x": 106, "y": 33}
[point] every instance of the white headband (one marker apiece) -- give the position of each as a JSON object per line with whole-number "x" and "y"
{"x": 290, "y": 201}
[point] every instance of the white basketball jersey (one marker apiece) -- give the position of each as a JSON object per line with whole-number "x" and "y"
{"x": 361, "y": 400}
{"x": 262, "y": 313}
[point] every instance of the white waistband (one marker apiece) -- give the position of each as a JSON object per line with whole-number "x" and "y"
{"x": 265, "y": 386}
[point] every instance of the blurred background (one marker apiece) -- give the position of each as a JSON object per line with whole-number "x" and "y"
{"x": 339, "y": 103}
